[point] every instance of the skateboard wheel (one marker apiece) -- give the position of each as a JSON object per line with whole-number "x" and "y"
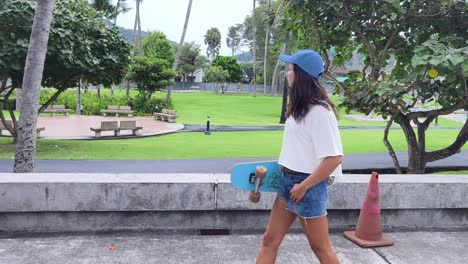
{"x": 254, "y": 197}
{"x": 260, "y": 172}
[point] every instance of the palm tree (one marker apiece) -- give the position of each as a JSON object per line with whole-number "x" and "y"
{"x": 26, "y": 145}
{"x": 269, "y": 21}
{"x": 120, "y": 7}
{"x": 181, "y": 43}
{"x": 213, "y": 42}
{"x": 278, "y": 18}
{"x": 104, "y": 6}
{"x": 254, "y": 47}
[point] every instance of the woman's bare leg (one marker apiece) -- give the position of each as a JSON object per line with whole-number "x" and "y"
{"x": 278, "y": 225}
{"x": 316, "y": 230}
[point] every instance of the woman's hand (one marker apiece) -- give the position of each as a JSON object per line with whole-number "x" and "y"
{"x": 297, "y": 192}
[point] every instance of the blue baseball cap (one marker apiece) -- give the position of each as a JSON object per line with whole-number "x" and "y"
{"x": 308, "y": 60}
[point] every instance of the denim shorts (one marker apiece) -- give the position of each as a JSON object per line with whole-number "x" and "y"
{"x": 313, "y": 204}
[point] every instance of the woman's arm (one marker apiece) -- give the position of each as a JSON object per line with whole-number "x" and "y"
{"x": 323, "y": 170}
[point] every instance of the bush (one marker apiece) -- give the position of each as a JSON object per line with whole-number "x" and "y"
{"x": 93, "y": 105}
{"x": 143, "y": 105}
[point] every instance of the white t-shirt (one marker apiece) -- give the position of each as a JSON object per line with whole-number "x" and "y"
{"x": 307, "y": 143}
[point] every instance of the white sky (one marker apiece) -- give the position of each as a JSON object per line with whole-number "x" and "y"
{"x": 169, "y": 17}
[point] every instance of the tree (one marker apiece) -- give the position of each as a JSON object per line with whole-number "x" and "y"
{"x": 234, "y": 38}
{"x": 426, "y": 38}
{"x": 230, "y": 65}
{"x": 80, "y": 47}
{"x": 213, "y": 41}
{"x": 217, "y": 75}
{"x": 26, "y": 145}
{"x": 151, "y": 74}
{"x": 110, "y": 12}
{"x": 104, "y": 6}
{"x": 179, "y": 48}
{"x": 156, "y": 45}
{"x": 120, "y": 7}
{"x": 264, "y": 15}
{"x": 190, "y": 60}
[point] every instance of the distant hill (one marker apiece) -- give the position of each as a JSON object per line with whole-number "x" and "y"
{"x": 244, "y": 57}
{"x": 128, "y": 34}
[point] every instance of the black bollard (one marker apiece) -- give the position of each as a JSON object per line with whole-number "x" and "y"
{"x": 207, "y": 131}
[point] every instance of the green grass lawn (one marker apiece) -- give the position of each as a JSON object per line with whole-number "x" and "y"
{"x": 218, "y": 145}
{"x": 238, "y": 109}
{"x": 451, "y": 172}
{"x": 7, "y": 114}
{"x": 244, "y": 109}
{"x": 17, "y": 114}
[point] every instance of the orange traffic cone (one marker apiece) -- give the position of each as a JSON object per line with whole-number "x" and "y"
{"x": 369, "y": 229}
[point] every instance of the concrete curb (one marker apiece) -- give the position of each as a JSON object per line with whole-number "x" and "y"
{"x": 90, "y": 202}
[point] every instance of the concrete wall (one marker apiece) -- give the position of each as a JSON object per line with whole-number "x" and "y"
{"x": 97, "y": 202}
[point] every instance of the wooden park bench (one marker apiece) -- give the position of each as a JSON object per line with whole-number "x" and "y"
{"x": 2, "y": 127}
{"x": 166, "y": 115}
{"x": 57, "y": 109}
{"x": 114, "y": 126}
{"x": 114, "y": 109}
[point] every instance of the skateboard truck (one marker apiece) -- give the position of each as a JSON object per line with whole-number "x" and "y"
{"x": 260, "y": 173}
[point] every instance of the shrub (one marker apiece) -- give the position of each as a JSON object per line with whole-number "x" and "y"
{"x": 93, "y": 105}
{"x": 143, "y": 105}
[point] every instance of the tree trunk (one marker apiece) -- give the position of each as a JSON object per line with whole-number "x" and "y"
{"x": 78, "y": 99}
{"x": 112, "y": 91}
{"x": 137, "y": 41}
{"x": 416, "y": 159}
{"x": 52, "y": 99}
{"x": 134, "y": 35}
{"x": 26, "y": 146}
{"x": 254, "y": 47}
{"x": 274, "y": 79}
{"x": 12, "y": 128}
{"x": 285, "y": 85}
{"x": 99, "y": 91}
{"x": 116, "y": 12}
{"x": 455, "y": 147}
{"x": 389, "y": 146}
{"x": 265, "y": 56}
{"x": 127, "y": 90}
{"x": 181, "y": 43}
{"x": 140, "y": 39}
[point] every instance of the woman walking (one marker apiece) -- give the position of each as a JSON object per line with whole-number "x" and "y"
{"x": 311, "y": 152}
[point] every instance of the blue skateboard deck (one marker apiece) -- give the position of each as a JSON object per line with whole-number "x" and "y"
{"x": 243, "y": 176}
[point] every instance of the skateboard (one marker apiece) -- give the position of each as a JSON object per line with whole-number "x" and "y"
{"x": 258, "y": 177}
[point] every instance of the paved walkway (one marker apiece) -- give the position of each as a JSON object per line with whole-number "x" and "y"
{"x": 77, "y": 127}
{"x": 371, "y": 161}
{"x": 141, "y": 248}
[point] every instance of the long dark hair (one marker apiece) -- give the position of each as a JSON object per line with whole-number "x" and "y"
{"x": 306, "y": 92}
